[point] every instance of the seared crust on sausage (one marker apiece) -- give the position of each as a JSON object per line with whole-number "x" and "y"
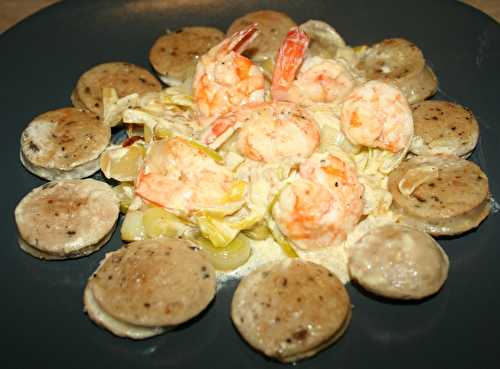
{"x": 440, "y": 194}
{"x": 275, "y": 309}
{"x": 64, "y": 144}
{"x": 272, "y": 29}
{"x": 152, "y": 285}
{"x": 125, "y": 78}
{"x": 399, "y": 262}
{"x": 400, "y": 62}
{"x": 54, "y": 220}
{"x": 175, "y": 54}
{"x": 443, "y": 127}
{"x": 392, "y": 59}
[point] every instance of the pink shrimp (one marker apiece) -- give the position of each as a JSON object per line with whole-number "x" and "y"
{"x": 179, "y": 176}
{"x": 307, "y": 80}
{"x": 270, "y": 131}
{"x": 377, "y": 114}
{"x": 225, "y": 79}
{"x": 321, "y": 207}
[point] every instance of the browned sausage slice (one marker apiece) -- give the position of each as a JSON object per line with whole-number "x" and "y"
{"x": 398, "y": 262}
{"x": 147, "y": 287}
{"x": 291, "y": 310}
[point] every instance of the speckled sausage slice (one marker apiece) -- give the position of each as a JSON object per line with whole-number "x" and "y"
{"x": 272, "y": 27}
{"x": 64, "y": 144}
{"x": 400, "y": 62}
{"x": 398, "y": 262}
{"x": 420, "y": 87}
{"x": 290, "y": 310}
{"x": 75, "y": 100}
{"x": 440, "y": 194}
{"x": 151, "y": 285}
{"x": 442, "y": 127}
{"x": 392, "y": 59}
{"x": 175, "y": 54}
{"x": 125, "y": 78}
{"x": 54, "y": 220}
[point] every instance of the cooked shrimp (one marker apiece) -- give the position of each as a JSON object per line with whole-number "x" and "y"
{"x": 269, "y": 131}
{"x": 225, "y": 79}
{"x": 179, "y": 176}
{"x": 278, "y": 130}
{"x": 307, "y": 80}
{"x": 323, "y": 205}
{"x": 377, "y": 114}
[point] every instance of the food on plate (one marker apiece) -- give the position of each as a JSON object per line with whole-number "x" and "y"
{"x": 440, "y": 194}
{"x": 308, "y": 80}
{"x": 376, "y": 114}
{"x": 443, "y": 127}
{"x": 398, "y": 262}
{"x": 224, "y": 78}
{"x": 291, "y": 310}
{"x": 125, "y": 78}
{"x": 148, "y": 287}
{"x": 323, "y": 206}
{"x": 272, "y": 28}
{"x": 277, "y": 154}
{"x": 400, "y": 62}
{"x": 54, "y": 220}
{"x": 174, "y": 54}
{"x": 63, "y": 144}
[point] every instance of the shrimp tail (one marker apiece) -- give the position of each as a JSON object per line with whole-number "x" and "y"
{"x": 240, "y": 40}
{"x": 221, "y": 129}
{"x": 288, "y": 61}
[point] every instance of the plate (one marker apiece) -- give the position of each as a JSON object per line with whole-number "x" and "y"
{"x": 42, "y": 320}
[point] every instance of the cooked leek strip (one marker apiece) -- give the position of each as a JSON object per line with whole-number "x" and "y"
{"x": 174, "y": 96}
{"x": 280, "y": 239}
{"x": 267, "y": 66}
{"x": 113, "y": 106}
{"x": 122, "y": 163}
{"x": 219, "y": 232}
{"x": 233, "y": 255}
{"x": 162, "y": 132}
{"x": 160, "y": 223}
{"x": 236, "y": 192}
{"x": 360, "y": 48}
{"x": 260, "y": 231}
{"x": 133, "y": 226}
{"x": 211, "y": 153}
{"x": 246, "y": 222}
{"x": 125, "y": 192}
{"x": 148, "y": 134}
{"x": 137, "y": 116}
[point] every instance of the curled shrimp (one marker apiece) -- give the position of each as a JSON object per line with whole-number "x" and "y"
{"x": 179, "y": 176}
{"x": 323, "y": 205}
{"x": 224, "y": 78}
{"x": 377, "y": 114}
{"x": 270, "y": 131}
{"x": 307, "y": 80}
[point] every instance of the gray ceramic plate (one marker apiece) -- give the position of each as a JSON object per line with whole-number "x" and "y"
{"x": 43, "y": 325}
